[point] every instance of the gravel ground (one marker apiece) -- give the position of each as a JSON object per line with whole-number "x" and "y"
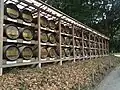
{"x": 111, "y": 82}
{"x": 84, "y": 75}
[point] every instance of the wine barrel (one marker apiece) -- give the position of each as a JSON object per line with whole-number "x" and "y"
{"x": 35, "y": 51}
{"x": 85, "y": 52}
{"x": 62, "y": 28}
{"x": 57, "y": 49}
{"x": 77, "y": 52}
{"x": 26, "y": 52}
{"x": 77, "y": 42}
{"x": 27, "y": 34}
{"x": 71, "y": 52}
{"x": 26, "y": 16}
{"x": 91, "y": 52}
{"x": 67, "y": 41}
{"x": 62, "y": 40}
{"x": 52, "y": 24}
{"x": 35, "y": 35}
{"x": 86, "y": 36}
{"x": 44, "y": 53}
{"x": 11, "y": 52}
{"x": 43, "y": 21}
{"x": 67, "y": 52}
{"x": 85, "y": 44}
{"x": 78, "y": 32}
{"x": 11, "y": 31}
{"x": 11, "y": 10}
{"x": 92, "y": 37}
{"x": 51, "y": 52}
{"x": 68, "y": 30}
{"x": 51, "y": 38}
{"x": 63, "y": 53}
{"x": 44, "y": 37}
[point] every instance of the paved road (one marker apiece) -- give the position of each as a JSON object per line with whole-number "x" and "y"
{"x": 111, "y": 82}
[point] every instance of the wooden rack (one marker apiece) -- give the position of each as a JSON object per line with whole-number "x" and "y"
{"x": 86, "y": 43}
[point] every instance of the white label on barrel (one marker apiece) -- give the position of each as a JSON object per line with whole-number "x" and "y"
{"x": 29, "y": 24}
{"x": 43, "y": 59}
{"x": 8, "y": 40}
{"x": 26, "y": 60}
{"x": 13, "y": 20}
{"x": 43, "y": 28}
{"x": 52, "y": 58}
{"x": 28, "y": 42}
{"x": 11, "y": 62}
{"x": 67, "y": 46}
{"x": 86, "y": 56}
{"x": 43, "y": 43}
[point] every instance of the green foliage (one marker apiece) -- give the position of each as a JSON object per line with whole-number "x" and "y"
{"x": 102, "y": 15}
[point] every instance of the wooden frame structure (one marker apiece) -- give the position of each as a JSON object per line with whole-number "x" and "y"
{"x": 90, "y": 43}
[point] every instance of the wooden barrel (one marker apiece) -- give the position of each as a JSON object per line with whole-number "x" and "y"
{"x": 86, "y": 36}
{"x": 11, "y": 52}
{"x": 67, "y": 52}
{"x": 78, "y": 32}
{"x": 26, "y": 16}
{"x": 77, "y": 52}
{"x": 91, "y": 37}
{"x": 35, "y": 51}
{"x": 62, "y": 40}
{"x": 97, "y": 52}
{"x": 51, "y": 38}
{"x": 52, "y": 24}
{"x": 85, "y": 52}
{"x": 44, "y": 53}
{"x": 75, "y": 31}
{"x": 51, "y": 52}
{"x": 35, "y": 35}
{"x": 81, "y": 43}
{"x": 68, "y": 41}
{"x": 44, "y": 37}
{"x": 27, "y": 34}
{"x": 81, "y": 54}
{"x": 85, "y": 44}
{"x": 11, "y": 10}
{"x": 71, "y": 52}
{"x": 63, "y": 52}
{"x": 91, "y": 51}
{"x": 26, "y": 52}
{"x": 57, "y": 49}
{"x": 77, "y": 42}
{"x": 68, "y": 30}
{"x": 62, "y": 28}
{"x": 11, "y": 31}
{"x": 43, "y": 21}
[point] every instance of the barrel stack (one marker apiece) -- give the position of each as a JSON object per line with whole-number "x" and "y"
{"x": 32, "y": 37}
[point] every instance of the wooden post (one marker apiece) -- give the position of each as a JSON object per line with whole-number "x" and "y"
{"x": 1, "y": 34}
{"x": 39, "y": 39}
{"x": 83, "y": 44}
{"x": 99, "y": 46}
{"x": 74, "y": 56}
{"x": 95, "y": 47}
{"x": 102, "y": 47}
{"x": 60, "y": 48}
{"x": 89, "y": 45}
